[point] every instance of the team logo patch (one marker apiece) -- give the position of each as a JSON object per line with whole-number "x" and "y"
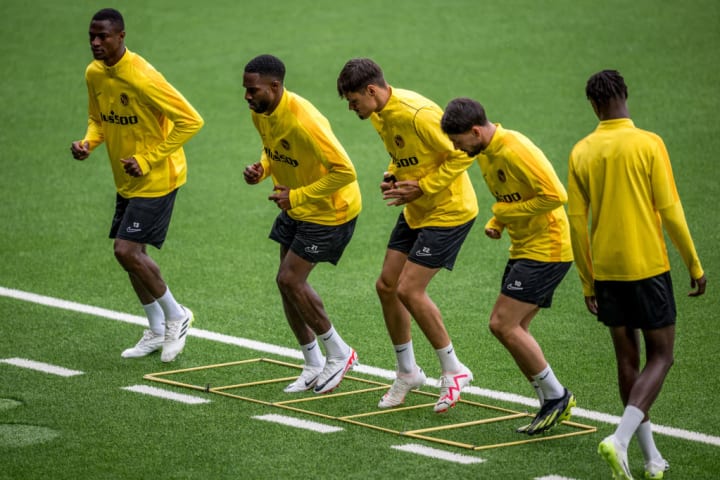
{"x": 134, "y": 228}
{"x": 501, "y": 176}
{"x": 124, "y": 99}
{"x": 516, "y": 285}
{"x": 399, "y": 141}
{"x": 285, "y": 144}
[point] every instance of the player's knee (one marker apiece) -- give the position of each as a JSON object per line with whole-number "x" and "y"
{"x": 497, "y": 327}
{"x": 383, "y": 289}
{"x": 125, "y": 256}
{"x": 408, "y": 296}
{"x": 286, "y": 282}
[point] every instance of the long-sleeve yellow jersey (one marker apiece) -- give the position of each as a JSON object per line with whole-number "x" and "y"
{"x": 622, "y": 176}
{"x": 300, "y": 151}
{"x": 137, "y": 113}
{"x": 409, "y": 125}
{"x": 529, "y": 198}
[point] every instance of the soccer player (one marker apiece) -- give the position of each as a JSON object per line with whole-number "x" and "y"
{"x": 316, "y": 189}
{"x": 429, "y": 180}
{"x": 529, "y": 205}
{"x": 621, "y": 176}
{"x": 144, "y": 122}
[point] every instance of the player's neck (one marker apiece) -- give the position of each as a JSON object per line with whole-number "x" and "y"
{"x": 113, "y": 61}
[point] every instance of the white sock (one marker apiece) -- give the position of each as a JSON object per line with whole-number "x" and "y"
{"x": 449, "y": 362}
{"x": 170, "y": 306}
{"x": 629, "y": 423}
{"x": 313, "y": 355}
{"x": 647, "y": 442}
{"x": 156, "y": 317}
{"x": 334, "y": 344}
{"x": 549, "y": 384}
{"x": 405, "y": 357}
{"x": 538, "y": 391}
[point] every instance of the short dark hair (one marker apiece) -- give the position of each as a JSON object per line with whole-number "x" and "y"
{"x": 357, "y": 74}
{"x": 267, "y": 66}
{"x": 111, "y": 15}
{"x": 606, "y": 85}
{"x": 461, "y": 114}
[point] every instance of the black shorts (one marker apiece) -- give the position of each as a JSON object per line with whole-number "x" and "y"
{"x": 432, "y": 247}
{"x": 533, "y": 282}
{"x": 311, "y": 241}
{"x": 143, "y": 220}
{"x": 646, "y": 304}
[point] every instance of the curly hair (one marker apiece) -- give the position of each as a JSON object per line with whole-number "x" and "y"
{"x": 606, "y": 85}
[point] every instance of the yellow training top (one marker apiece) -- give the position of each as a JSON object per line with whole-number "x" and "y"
{"x": 137, "y": 113}
{"x": 622, "y": 174}
{"x": 409, "y": 125}
{"x": 301, "y": 152}
{"x": 529, "y": 197}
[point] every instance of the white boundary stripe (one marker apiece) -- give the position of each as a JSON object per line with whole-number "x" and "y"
{"x": 297, "y": 423}
{"x": 41, "y": 367}
{"x": 375, "y": 371}
{"x": 554, "y": 477}
{"x": 159, "y": 392}
{"x": 438, "y": 454}
{"x": 66, "y": 305}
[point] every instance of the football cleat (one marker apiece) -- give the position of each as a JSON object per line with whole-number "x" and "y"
{"x": 655, "y": 469}
{"x": 175, "y": 336}
{"x": 334, "y": 371}
{"x": 404, "y": 382}
{"x": 523, "y": 429}
{"x": 451, "y": 384}
{"x": 149, "y": 343}
{"x": 616, "y": 458}
{"x": 551, "y": 413}
{"x": 307, "y": 380}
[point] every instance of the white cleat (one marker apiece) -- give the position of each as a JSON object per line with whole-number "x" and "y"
{"x": 404, "y": 382}
{"x": 307, "y": 380}
{"x": 175, "y": 336}
{"x": 149, "y": 343}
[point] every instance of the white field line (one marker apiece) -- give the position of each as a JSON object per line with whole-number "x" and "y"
{"x": 374, "y": 371}
{"x": 438, "y": 454}
{"x": 553, "y": 477}
{"x": 41, "y": 367}
{"x": 166, "y": 394}
{"x": 298, "y": 423}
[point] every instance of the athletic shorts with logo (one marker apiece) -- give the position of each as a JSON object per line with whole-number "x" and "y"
{"x": 533, "y": 282}
{"x": 311, "y": 241}
{"x": 143, "y": 220}
{"x": 431, "y": 247}
{"x": 646, "y": 304}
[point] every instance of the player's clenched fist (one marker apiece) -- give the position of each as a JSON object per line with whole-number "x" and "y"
{"x": 253, "y": 173}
